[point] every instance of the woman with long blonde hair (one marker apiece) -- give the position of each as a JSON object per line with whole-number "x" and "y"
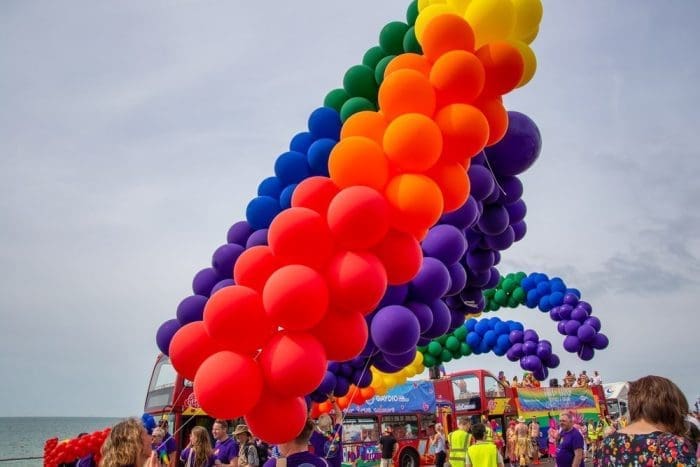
{"x": 128, "y": 444}
{"x": 199, "y": 452}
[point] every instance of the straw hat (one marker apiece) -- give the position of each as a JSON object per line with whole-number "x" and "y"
{"x": 240, "y": 429}
{"x": 521, "y": 419}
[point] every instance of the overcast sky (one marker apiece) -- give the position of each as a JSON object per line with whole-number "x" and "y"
{"x": 132, "y": 135}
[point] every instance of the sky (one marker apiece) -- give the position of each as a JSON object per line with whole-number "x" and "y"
{"x": 133, "y": 134}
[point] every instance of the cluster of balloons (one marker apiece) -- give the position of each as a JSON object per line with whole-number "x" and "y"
{"x": 68, "y": 451}
{"x": 535, "y": 355}
{"x": 534, "y": 291}
{"x": 582, "y": 330}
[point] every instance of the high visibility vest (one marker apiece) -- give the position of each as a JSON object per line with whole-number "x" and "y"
{"x": 488, "y": 436}
{"x": 483, "y": 455}
{"x": 459, "y": 441}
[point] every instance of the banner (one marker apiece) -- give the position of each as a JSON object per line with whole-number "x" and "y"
{"x": 413, "y": 396}
{"x": 538, "y": 402}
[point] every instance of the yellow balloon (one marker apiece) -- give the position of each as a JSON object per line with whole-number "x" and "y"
{"x": 423, "y": 4}
{"x": 491, "y": 20}
{"x": 380, "y": 390}
{"x": 428, "y": 14}
{"x": 459, "y": 5}
{"x": 420, "y": 369}
{"x": 528, "y": 39}
{"x": 529, "y": 60}
{"x": 528, "y": 14}
{"x": 418, "y": 360}
{"x": 409, "y": 371}
{"x": 390, "y": 381}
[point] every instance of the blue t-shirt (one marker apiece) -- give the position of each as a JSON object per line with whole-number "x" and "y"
{"x": 329, "y": 445}
{"x": 300, "y": 459}
{"x": 226, "y": 450}
{"x": 569, "y": 441}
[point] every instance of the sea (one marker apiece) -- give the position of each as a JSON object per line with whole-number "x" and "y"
{"x": 23, "y": 437}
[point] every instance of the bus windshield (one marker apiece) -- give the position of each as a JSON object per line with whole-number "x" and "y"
{"x": 160, "y": 390}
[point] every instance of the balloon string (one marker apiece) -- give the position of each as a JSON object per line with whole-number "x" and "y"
{"x": 494, "y": 175}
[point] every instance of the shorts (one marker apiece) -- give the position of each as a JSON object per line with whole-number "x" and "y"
{"x": 386, "y": 463}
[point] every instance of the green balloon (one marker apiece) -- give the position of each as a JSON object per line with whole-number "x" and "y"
{"x": 336, "y": 98}
{"x": 446, "y": 356}
{"x": 509, "y": 284}
{"x": 519, "y": 295}
{"x": 354, "y": 105}
{"x": 489, "y": 293}
{"x": 412, "y": 12}
{"x": 500, "y": 282}
{"x": 391, "y": 37}
{"x": 452, "y": 343}
{"x": 501, "y": 297}
{"x": 381, "y": 66}
{"x": 520, "y": 275}
{"x": 372, "y": 56}
{"x": 429, "y": 360}
{"x": 410, "y": 42}
{"x": 465, "y": 349}
{"x": 460, "y": 333}
{"x": 493, "y": 306}
{"x": 513, "y": 302}
{"x": 359, "y": 82}
{"x": 434, "y": 348}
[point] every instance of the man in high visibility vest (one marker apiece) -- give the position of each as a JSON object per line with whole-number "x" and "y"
{"x": 483, "y": 453}
{"x": 459, "y": 440}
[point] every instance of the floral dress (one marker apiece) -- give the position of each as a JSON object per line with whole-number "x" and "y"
{"x": 657, "y": 448}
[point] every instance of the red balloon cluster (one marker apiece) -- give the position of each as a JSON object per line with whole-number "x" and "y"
{"x": 70, "y": 450}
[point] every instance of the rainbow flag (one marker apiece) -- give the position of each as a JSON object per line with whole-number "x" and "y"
{"x": 538, "y": 402}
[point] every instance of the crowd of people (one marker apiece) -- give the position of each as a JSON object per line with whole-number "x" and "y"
{"x": 569, "y": 380}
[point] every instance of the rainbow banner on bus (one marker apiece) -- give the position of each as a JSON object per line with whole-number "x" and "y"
{"x": 539, "y": 402}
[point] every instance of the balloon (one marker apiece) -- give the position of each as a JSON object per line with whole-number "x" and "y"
{"x": 492, "y": 20}
{"x": 572, "y": 344}
{"x": 463, "y": 217}
{"x": 391, "y": 37}
{"x": 458, "y": 279}
{"x": 165, "y": 334}
{"x": 410, "y": 42}
{"x": 465, "y": 131}
{"x": 479, "y": 260}
{"x": 453, "y": 182}
{"x": 406, "y": 91}
{"x": 254, "y": 267}
{"x": 222, "y": 284}
{"x": 395, "y": 330}
{"x": 293, "y": 363}
{"x": 501, "y": 241}
{"x": 401, "y": 255}
{"x": 204, "y": 280}
{"x": 496, "y": 115}
{"x": 264, "y": 419}
{"x": 221, "y": 375}
{"x": 528, "y": 14}
{"x": 257, "y": 238}
{"x": 458, "y": 77}
{"x": 358, "y": 217}
{"x": 380, "y": 70}
{"x": 482, "y": 182}
{"x": 296, "y": 297}
{"x": 600, "y": 341}
{"x": 594, "y": 322}
{"x": 239, "y": 233}
{"x": 224, "y": 257}
{"x": 586, "y": 352}
{"x": 367, "y": 124}
{"x": 324, "y": 122}
{"x": 394, "y": 295}
{"x": 300, "y": 235}
{"x": 300, "y": 143}
{"x": 342, "y": 334}
{"x": 315, "y": 193}
{"x": 235, "y": 318}
{"x": 415, "y": 202}
{"x": 579, "y": 314}
{"x": 189, "y": 347}
{"x": 494, "y": 219}
{"x": 354, "y": 105}
{"x": 423, "y": 313}
{"x": 327, "y": 384}
{"x": 529, "y": 61}
{"x": 432, "y": 281}
{"x": 586, "y": 333}
{"x": 261, "y": 210}
{"x": 518, "y": 149}
{"x": 356, "y": 281}
{"x": 359, "y": 82}
{"x": 292, "y": 167}
{"x": 442, "y": 318}
{"x": 412, "y": 142}
{"x": 408, "y": 61}
{"x": 190, "y": 309}
{"x": 318, "y": 155}
{"x": 445, "y": 33}
{"x": 358, "y": 161}
{"x": 503, "y": 68}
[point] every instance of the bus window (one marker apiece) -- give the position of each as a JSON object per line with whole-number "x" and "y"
{"x": 160, "y": 390}
{"x": 493, "y": 388}
{"x": 404, "y": 426}
{"x": 467, "y": 393}
{"x": 426, "y": 420}
{"x": 359, "y": 430}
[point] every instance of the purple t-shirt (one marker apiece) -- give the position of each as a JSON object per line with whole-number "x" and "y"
{"x": 569, "y": 441}
{"x": 305, "y": 459}
{"x": 329, "y": 446}
{"x": 211, "y": 462}
{"x": 226, "y": 450}
{"x": 169, "y": 442}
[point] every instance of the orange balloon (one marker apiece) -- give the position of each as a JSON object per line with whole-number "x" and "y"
{"x": 458, "y": 77}
{"x": 406, "y": 91}
{"x": 497, "y": 116}
{"x": 504, "y": 67}
{"x": 465, "y": 132}
{"x": 314, "y": 193}
{"x": 367, "y": 123}
{"x": 408, "y": 61}
{"x": 325, "y": 407}
{"x": 254, "y": 266}
{"x": 453, "y": 181}
{"x": 367, "y": 393}
{"x": 314, "y": 412}
{"x": 415, "y": 202}
{"x": 401, "y": 255}
{"x": 444, "y": 33}
{"x": 358, "y": 161}
{"x": 413, "y": 142}
{"x": 301, "y": 236}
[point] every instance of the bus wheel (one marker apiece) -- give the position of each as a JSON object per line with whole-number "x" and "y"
{"x": 409, "y": 458}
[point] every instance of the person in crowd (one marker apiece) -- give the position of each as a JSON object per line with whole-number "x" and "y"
{"x": 510, "y": 442}
{"x": 570, "y": 446}
{"x": 388, "y": 447}
{"x": 438, "y": 446}
{"x": 582, "y": 381}
{"x": 482, "y": 453}
{"x": 326, "y": 439}
{"x": 552, "y": 435}
{"x": 263, "y": 450}
{"x": 522, "y": 442}
{"x": 596, "y": 380}
{"x": 656, "y": 432}
{"x": 296, "y": 453}
{"x": 534, "y": 432}
{"x": 514, "y": 382}
{"x": 458, "y": 442}
{"x": 569, "y": 379}
{"x": 169, "y": 443}
{"x": 198, "y": 452}
{"x": 159, "y": 447}
{"x": 502, "y": 378}
{"x": 553, "y": 383}
{"x": 225, "y": 447}
{"x": 128, "y": 445}
{"x": 527, "y": 380}
{"x": 247, "y": 451}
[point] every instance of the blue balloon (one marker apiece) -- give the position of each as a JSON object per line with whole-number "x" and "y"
{"x": 318, "y": 155}
{"x": 470, "y": 324}
{"x": 576, "y": 292}
{"x": 528, "y": 284}
{"x": 544, "y": 304}
{"x": 543, "y": 288}
{"x": 286, "y": 196}
{"x": 502, "y": 328}
{"x": 484, "y": 347}
{"x": 473, "y": 339}
{"x": 556, "y": 298}
{"x": 292, "y": 167}
{"x": 482, "y": 326}
{"x": 557, "y": 285}
{"x": 515, "y": 326}
{"x": 532, "y": 299}
{"x": 301, "y": 142}
{"x": 503, "y": 341}
{"x": 261, "y": 211}
{"x": 490, "y": 338}
{"x": 324, "y": 122}
{"x": 271, "y": 186}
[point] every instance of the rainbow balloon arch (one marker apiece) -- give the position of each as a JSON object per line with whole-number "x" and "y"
{"x": 379, "y": 234}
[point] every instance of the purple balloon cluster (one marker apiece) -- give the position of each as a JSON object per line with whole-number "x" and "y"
{"x": 582, "y": 330}
{"x": 535, "y": 355}
{"x": 340, "y": 376}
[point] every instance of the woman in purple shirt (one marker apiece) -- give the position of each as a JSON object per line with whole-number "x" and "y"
{"x": 199, "y": 452}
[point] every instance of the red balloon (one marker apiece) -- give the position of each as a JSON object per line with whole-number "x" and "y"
{"x": 503, "y": 66}
{"x": 356, "y": 280}
{"x": 315, "y": 193}
{"x": 296, "y": 297}
{"x": 401, "y": 255}
{"x": 343, "y": 334}
{"x": 358, "y": 217}
{"x": 277, "y": 419}
{"x": 234, "y": 316}
{"x": 190, "y": 346}
{"x": 293, "y": 363}
{"x": 301, "y": 236}
{"x": 228, "y": 385}
{"x": 254, "y": 267}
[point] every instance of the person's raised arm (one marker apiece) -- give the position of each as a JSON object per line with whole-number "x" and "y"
{"x": 338, "y": 415}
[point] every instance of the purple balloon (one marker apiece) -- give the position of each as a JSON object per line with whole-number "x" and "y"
{"x": 516, "y": 337}
{"x": 480, "y": 260}
{"x": 571, "y": 326}
{"x": 494, "y": 278}
{"x": 342, "y": 385}
{"x": 530, "y": 347}
{"x": 565, "y": 312}
{"x": 513, "y": 355}
{"x": 471, "y": 294}
{"x": 494, "y": 196}
{"x": 519, "y": 230}
{"x": 423, "y": 341}
{"x": 204, "y": 281}
{"x": 552, "y": 361}
{"x": 257, "y": 238}
{"x": 381, "y": 364}
{"x": 541, "y": 373}
{"x": 463, "y": 217}
{"x": 423, "y": 313}
{"x": 395, "y": 330}
{"x": 594, "y": 322}
{"x": 478, "y": 279}
{"x": 369, "y": 350}
{"x": 432, "y": 281}
{"x": 446, "y": 243}
{"x": 394, "y": 295}
{"x": 502, "y": 241}
{"x": 481, "y": 181}
{"x": 516, "y": 211}
{"x": 570, "y": 299}
{"x": 561, "y": 327}
{"x": 543, "y": 351}
{"x": 358, "y": 362}
{"x": 586, "y": 306}
{"x": 518, "y": 149}
{"x": 225, "y": 257}
{"x": 512, "y": 188}
{"x": 239, "y": 233}
{"x": 494, "y": 220}
{"x": 221, "y": 284}
{"x": 327, "y": 384}
{"x": 586, "y": 333}
{"x": 579, "y": 314}
{"x": 554, "y": 314}
{"x": 530, "y": 363}
{"x": 401, "y": 361}
{"x": 458, "y": 279}
{"x": 600, "y": 341}
{"x": 531, "y": 335}
{"x": 456, "y": 319}
{"x": 191, "y": 309}
{"x": 442, "y": 318}
{"x": 572, "y": 344}
{"x": 586, "y": 352}
{"x": 165, "y": 334}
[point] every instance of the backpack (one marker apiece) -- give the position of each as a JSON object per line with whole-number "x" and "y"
{"x": 263, "y": 451}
